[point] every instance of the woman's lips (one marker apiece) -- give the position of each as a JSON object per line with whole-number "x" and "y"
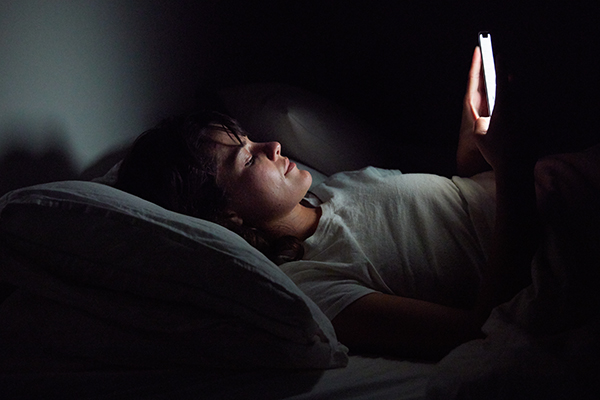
{"x": 290, "y": 166}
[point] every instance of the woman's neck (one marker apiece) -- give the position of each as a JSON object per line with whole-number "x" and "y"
{"x": 302, "y": 223}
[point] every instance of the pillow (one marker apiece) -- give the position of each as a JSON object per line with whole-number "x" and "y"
{"x": 310, "y": 129}
{"x": 176, "y": 289}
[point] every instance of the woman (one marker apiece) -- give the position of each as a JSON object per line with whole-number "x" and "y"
{"x": 205, "y": 166}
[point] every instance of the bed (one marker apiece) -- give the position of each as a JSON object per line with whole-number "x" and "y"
{"x": 108, "y": 296}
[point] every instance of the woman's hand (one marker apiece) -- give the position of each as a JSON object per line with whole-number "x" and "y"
{"x": 507, "y": 140}
{"x": 475, "y": 122}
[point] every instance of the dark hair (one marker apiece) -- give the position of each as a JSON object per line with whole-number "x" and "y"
{"x": 173, "y": 165}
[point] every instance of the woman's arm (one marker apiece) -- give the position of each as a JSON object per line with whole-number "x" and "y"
{"x": 508, "y": 151}
{"x": 509, "y": 147}
{"x": 389, "y": 324}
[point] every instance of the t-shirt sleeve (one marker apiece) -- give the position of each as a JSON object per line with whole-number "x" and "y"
{"x": 329, "y": 285}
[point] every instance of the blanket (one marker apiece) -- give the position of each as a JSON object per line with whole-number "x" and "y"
{"x": 545, "y": 342}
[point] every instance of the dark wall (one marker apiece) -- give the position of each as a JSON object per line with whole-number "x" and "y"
{"x": 402, "y": 65}
{"x": 81, "y": 79}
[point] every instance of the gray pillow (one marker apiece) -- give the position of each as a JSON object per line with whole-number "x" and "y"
{"x": 179, "y": 289}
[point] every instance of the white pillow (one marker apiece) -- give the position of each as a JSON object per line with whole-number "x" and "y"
{"x": 196, "y": 293}
{"x": 311, "y": 129}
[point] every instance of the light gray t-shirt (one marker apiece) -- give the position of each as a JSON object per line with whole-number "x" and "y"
{"x": 415, "y": 235}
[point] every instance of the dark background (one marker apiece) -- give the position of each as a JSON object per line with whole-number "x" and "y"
{"x": 102, "y": 72}
{"x": 402, "y": 66}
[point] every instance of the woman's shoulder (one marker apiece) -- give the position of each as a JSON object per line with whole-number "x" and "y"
{"x": 364, "y": 175}
{"x": 351, "y": 181}
{"x": 379, "y": 176}
{"x": 372, "y": 180}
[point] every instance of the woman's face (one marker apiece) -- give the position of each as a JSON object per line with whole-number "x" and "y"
{"x": 261, "y": 185}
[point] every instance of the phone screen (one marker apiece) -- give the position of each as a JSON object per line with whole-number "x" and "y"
{"x": 489, "y": 69}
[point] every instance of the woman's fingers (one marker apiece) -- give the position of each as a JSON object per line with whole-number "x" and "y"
{"x": 474, "y": 72}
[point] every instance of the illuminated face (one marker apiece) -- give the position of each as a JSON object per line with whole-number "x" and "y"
{"x": 261, "y": 185}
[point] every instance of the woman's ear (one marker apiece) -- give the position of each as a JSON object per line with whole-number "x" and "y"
{"x": 233, "y": 217}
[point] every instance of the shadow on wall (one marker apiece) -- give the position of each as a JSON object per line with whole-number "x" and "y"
{"x": 20, "y": 167}
{"x": 25, "y": 164}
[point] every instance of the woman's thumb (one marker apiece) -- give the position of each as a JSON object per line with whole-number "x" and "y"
{"x": 481, "y": 125}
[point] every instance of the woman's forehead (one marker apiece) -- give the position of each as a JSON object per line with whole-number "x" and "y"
{"x": 224, "y": 137}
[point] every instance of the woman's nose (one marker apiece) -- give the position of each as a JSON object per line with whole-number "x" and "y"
{"x": 273, "y": 149}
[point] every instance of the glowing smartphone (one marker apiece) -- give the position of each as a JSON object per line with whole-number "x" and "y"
{"x": 489, "y": 69}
